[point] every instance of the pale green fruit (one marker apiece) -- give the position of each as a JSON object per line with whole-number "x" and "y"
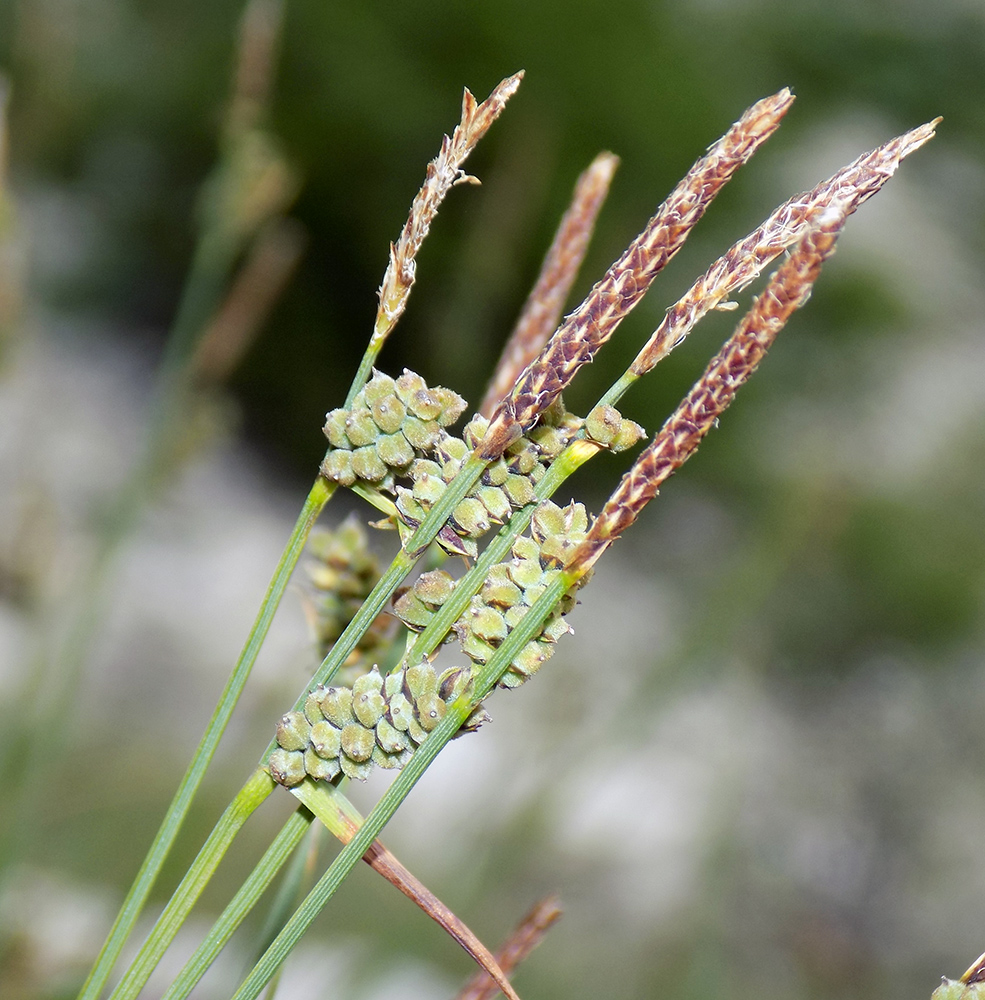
{"x": 326, "y": 740}
{"x": 336, "y": 706}
{"x": 453, "y": 449}
{"x": 471, "y": 517}
{"x": 401, "y": 712}
{"x": 357, "y": 741}
{"x": 603, "y": 424}
{"x": 378, "y": 388}
{"x": 496, "y": 502}
{"x": 312, "y": 708}
{"x": 434, "y": 587}
{"x": 496, "y": 473}
{"x": 359, "y": 770}
{"x": 475, "y": 430}
{"x": 368, "y": 465}
{"x": 319, "y": 768}
{"x": 335, "y": 429}
{"x": 338, "y": 467}
{"x": 395, "y": 450}
{"x": 430, "y": 711}
{"x": 361, "y": 429}
{"x": 286, "y": 767}
{"x": 391, "y": 740}
{"x": 421, "y": 434}
{"x": 388, "y": 414}
{"x": 452, "y": 405}
{"x": 412, "y": 611}
{"x": 421, "y": 681}
{"x": 525, "y": 573}
{"x": 293, "y": 731}
{"x": 629, "y": 434}
{"x": 368, "y": 705}
{"x": 519, "y": 490}
{"x": 486, "y": 622}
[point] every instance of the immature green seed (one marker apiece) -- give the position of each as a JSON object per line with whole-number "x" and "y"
{"x": 603, "y": 424}
{"x": 537, "y": 473}
{"x": 452, "y": 405}
{"x": 495, "y": 501}
{"x": 395, "y": 450}
{"x": 367, "y": 698}
{"x": 420, "y": 681}
{"x": 478, "y": 717}
{"x": 532, "y": 657}
{"x": 515, "y": 615}
{"x": 555, "y": 629}
{"x": 407, "y": 384}
{"x": 530, "y": 594}
{"x": 525, "y": 547}
{"x": 471, "y": 517}
{"x": 524, "y": 460}
{"x": 358, "y": 770}
{"x": 367, "y": 464}
{"x": 475, "y": 430}
{"x": 475, "y": 648}
{"x": 412, "y": 611}
{"x": 326, "y": 740}
{"x": 550, "y": 440}
{"x": 335, "y": 429}
{"x": 576, "y": 518}
{"x": 548, "y": 519}
{"x": 486, "y": 622}
{"x": 338, "y": 467}
{"x": 453, "y": 682}
{"x": 453, "y": 449}
{"x": 293, "y": 731}
{"x": 427, "y": 489}
{"x": 378, "y": 387}
{"x": 430, "y": 711}
{"x": 496, "y": 473}
{"x": 389, "y": 413}
{"x": 434, "y": 587}
{"x": 357, "y": 741}
{"x": 411, "y": 512}
{"x": 425, "y": 404}
{"x": 319, "y": 768}
{"x": 336, "y": 706}
{"x": 519, "y": 490}
{"x": 556, "y": 550}
{"x": 416, "y": 732}
{"x": 286, "y": 767}
{"x": 388, "y": 761}
{"x": 401, "y": 711}
{"x": 628, "y": 435}
{"x": 450, "y": 469}
{"x": 361, "y": 428}
{"x": 526, "y": 573}
{"x": 312, "y": 708}
{"x": 499, "y": 589}
{"x": 391, "y": 740}
{"x": 421, "y": 434}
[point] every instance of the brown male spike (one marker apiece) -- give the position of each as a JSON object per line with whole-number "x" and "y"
{"x": 596, "y": 319}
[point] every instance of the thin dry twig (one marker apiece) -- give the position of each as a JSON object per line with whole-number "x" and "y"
{"x": 678, "y": 439}
{"x": 443, "y": 173}
{"x": 596, "y": 319}
{"x": 525, "y": 937}
{"x": 542, "y": 310}
{"x": 743, "y": 262}
{"x": 265, "y": 273}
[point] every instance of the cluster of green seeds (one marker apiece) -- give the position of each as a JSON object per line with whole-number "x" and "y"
{"x": 507, "y": 594}
{"x": 378, "y": 721}
{"x": 391, "y": 422}
{"x": 396, "y": 430}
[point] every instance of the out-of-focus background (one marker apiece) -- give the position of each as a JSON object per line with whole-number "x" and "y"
{"x": 758, "y": 768}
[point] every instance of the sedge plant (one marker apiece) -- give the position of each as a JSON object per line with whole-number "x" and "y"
{"x": 483, "y": 494}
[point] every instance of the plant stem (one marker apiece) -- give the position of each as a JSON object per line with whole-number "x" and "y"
{"x": 259, "y": 786}
{"x": 318, "y": 496}
{"x": 245, "y": 899}
{"x": 457, "y": 712}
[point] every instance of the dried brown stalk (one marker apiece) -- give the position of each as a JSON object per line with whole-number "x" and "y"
{"x": 595, "y": 320}
{"x": 742, "y": 263}
{"x": 386, "y": 864}
{"x": 698, "y": 412}
{"x": 443, "y": 173}
{"x": 541, "y": 312}
{"x": 525, "y": 937}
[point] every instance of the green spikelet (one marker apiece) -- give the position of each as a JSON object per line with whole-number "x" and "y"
{"x": 378, "y": 722}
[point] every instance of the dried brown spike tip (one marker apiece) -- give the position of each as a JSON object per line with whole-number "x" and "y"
{"x": 585, "y": 330}
{"x": 542, "y": 310}
{"x": 743, "y": 262}
{"x": 443, "y": 173}
{"x": 697, "y": 413}
{"x": 525, "y": 937}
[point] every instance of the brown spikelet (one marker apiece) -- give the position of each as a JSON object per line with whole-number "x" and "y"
{"x": 443, "y": 173}
{"x": 711, "y": 395}
{"x": 542, "y": 310}
{"x": 595, "y": 320}
{"x": 742, "y": 263}
{"x": 525, "y": 937}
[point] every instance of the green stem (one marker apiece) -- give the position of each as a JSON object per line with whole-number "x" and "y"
{"x": 458, "y": 711}
{"x": 245, "y": 899}
{"x": 319, "y": 495}
{"x": 259, "y": 786}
